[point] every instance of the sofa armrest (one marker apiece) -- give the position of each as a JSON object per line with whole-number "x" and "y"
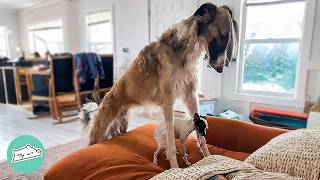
{"x": 239, "y": 135}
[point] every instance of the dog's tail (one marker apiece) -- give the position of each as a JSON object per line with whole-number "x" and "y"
{"x": 86, "y": 114}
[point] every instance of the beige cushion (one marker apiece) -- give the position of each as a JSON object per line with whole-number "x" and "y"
{"x": 296, "y": 153}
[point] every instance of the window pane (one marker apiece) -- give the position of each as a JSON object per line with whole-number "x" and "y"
{"x": 48, "y": 39}
{"x": 283, "y": 20}
{"x": 270, "y": 67}
{"x": 100, "y": 33}
{"x": 2, "y": 43}
{"x": 98, "y": 17}
{"x": 2, "y": 53}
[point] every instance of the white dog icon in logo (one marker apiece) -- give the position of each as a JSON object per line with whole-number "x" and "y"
{"x": 25, "y": 153}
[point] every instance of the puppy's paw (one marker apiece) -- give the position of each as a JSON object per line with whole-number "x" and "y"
{"x": 155, "y": 161}
{"x": 188, "y": 163}
{"x": 207, "y": 154}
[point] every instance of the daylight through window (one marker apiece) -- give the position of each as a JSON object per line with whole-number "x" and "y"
{"x": 100, "y": 32}
{"x": 270, "y": 49}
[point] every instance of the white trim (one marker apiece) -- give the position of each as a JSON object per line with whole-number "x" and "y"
{"x": 282, "y": 40}
{"x": 272, "y": 2}
{"x": 302, "y": 64}
{"x": 39, "y": 4}
{"x": 262, "y": 99}
{"x": 314, "y": 65}
{"x": 302, "y": 76}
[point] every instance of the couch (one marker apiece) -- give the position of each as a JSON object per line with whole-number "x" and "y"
{"x": 130, "y": 155}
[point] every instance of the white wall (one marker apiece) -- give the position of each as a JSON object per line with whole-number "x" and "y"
{"x": 9, "y": 18}
{"x": 315, "y": 51}
{"x": 313, "y": 88}
{"x": 130, "y": 24}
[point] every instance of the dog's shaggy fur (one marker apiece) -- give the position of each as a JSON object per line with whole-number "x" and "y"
{"x": 164, "y": 71}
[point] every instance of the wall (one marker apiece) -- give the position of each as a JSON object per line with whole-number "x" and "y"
{"x": 9, "y": 18}
{"x": 313, "y": 88}
{"x": 130, "y": 24}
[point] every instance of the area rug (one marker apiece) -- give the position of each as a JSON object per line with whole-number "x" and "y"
{"x": 52, "y": 155}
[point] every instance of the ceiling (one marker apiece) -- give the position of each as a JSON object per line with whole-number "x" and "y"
{"x": 18, "y": 4}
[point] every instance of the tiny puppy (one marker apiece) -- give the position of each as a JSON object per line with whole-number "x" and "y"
{"x": 182, "y": 129}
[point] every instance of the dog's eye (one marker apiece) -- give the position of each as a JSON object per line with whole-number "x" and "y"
{"x": 224, "y": 34}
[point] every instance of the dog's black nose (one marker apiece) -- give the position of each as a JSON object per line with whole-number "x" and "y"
{"x": 219, "y": 70}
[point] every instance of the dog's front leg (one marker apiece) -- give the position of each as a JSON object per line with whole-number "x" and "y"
{"x": 171, "y": 146}
{"x": 191, "y": 101}
{"x": 184, "y": 152}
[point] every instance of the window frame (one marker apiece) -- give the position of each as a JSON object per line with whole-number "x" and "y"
{"x": 6, "y": 41}
{"x": 301, "y": 69}
{"x": 89, "y": 43}
{"x": 34, "y": 30}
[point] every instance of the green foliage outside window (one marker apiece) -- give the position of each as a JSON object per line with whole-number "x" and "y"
{"x": 271, "y": 64}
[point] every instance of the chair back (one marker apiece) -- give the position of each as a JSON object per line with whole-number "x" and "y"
{"x": 63, "y": 73}
{"x": 40, "y": 85}
{"x": 107, "y": 63}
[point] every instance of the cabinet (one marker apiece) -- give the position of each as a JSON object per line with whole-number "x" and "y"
{"x": 8, "y": 93}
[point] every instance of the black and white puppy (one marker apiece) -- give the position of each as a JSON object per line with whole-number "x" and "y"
{"x": 182, "y": 129}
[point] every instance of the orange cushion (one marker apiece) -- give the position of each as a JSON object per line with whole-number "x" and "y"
{"x": 128, "y": 156}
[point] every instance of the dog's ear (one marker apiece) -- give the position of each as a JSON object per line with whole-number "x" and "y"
{"x": 228, "y": 9}
{"x": 232, "y": 49}
{"x": 208, "y": 11}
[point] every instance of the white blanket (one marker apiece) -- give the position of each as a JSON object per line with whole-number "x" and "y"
{"x": 214, "y": 165}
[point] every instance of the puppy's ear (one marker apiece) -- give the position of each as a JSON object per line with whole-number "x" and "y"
{"x": 208, "y": 11}
{"x": 196, "y": 117}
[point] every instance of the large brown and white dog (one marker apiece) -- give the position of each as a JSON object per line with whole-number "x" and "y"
{"x": 165, "y": 70}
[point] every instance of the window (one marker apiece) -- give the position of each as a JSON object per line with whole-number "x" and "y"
{"x": 100, "y": 32}
{"x": 270, "y": 47}
{"x": 4, "y": 47}
{"x": 46, "y": 39}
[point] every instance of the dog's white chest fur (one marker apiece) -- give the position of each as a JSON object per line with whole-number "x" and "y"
{"x": 185, "y": 77}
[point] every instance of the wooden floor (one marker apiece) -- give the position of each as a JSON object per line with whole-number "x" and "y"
{"x": 14, "y": 121}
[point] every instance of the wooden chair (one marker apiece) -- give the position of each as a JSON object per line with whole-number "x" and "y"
{"x": 106, "y": 83}
{"x": 40, "y": 90}
{"x": 60, "y": 91}
{"x": 63, "y": 87}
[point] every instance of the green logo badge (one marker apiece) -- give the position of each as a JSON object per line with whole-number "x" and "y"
{"x": 25, "y": 154}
